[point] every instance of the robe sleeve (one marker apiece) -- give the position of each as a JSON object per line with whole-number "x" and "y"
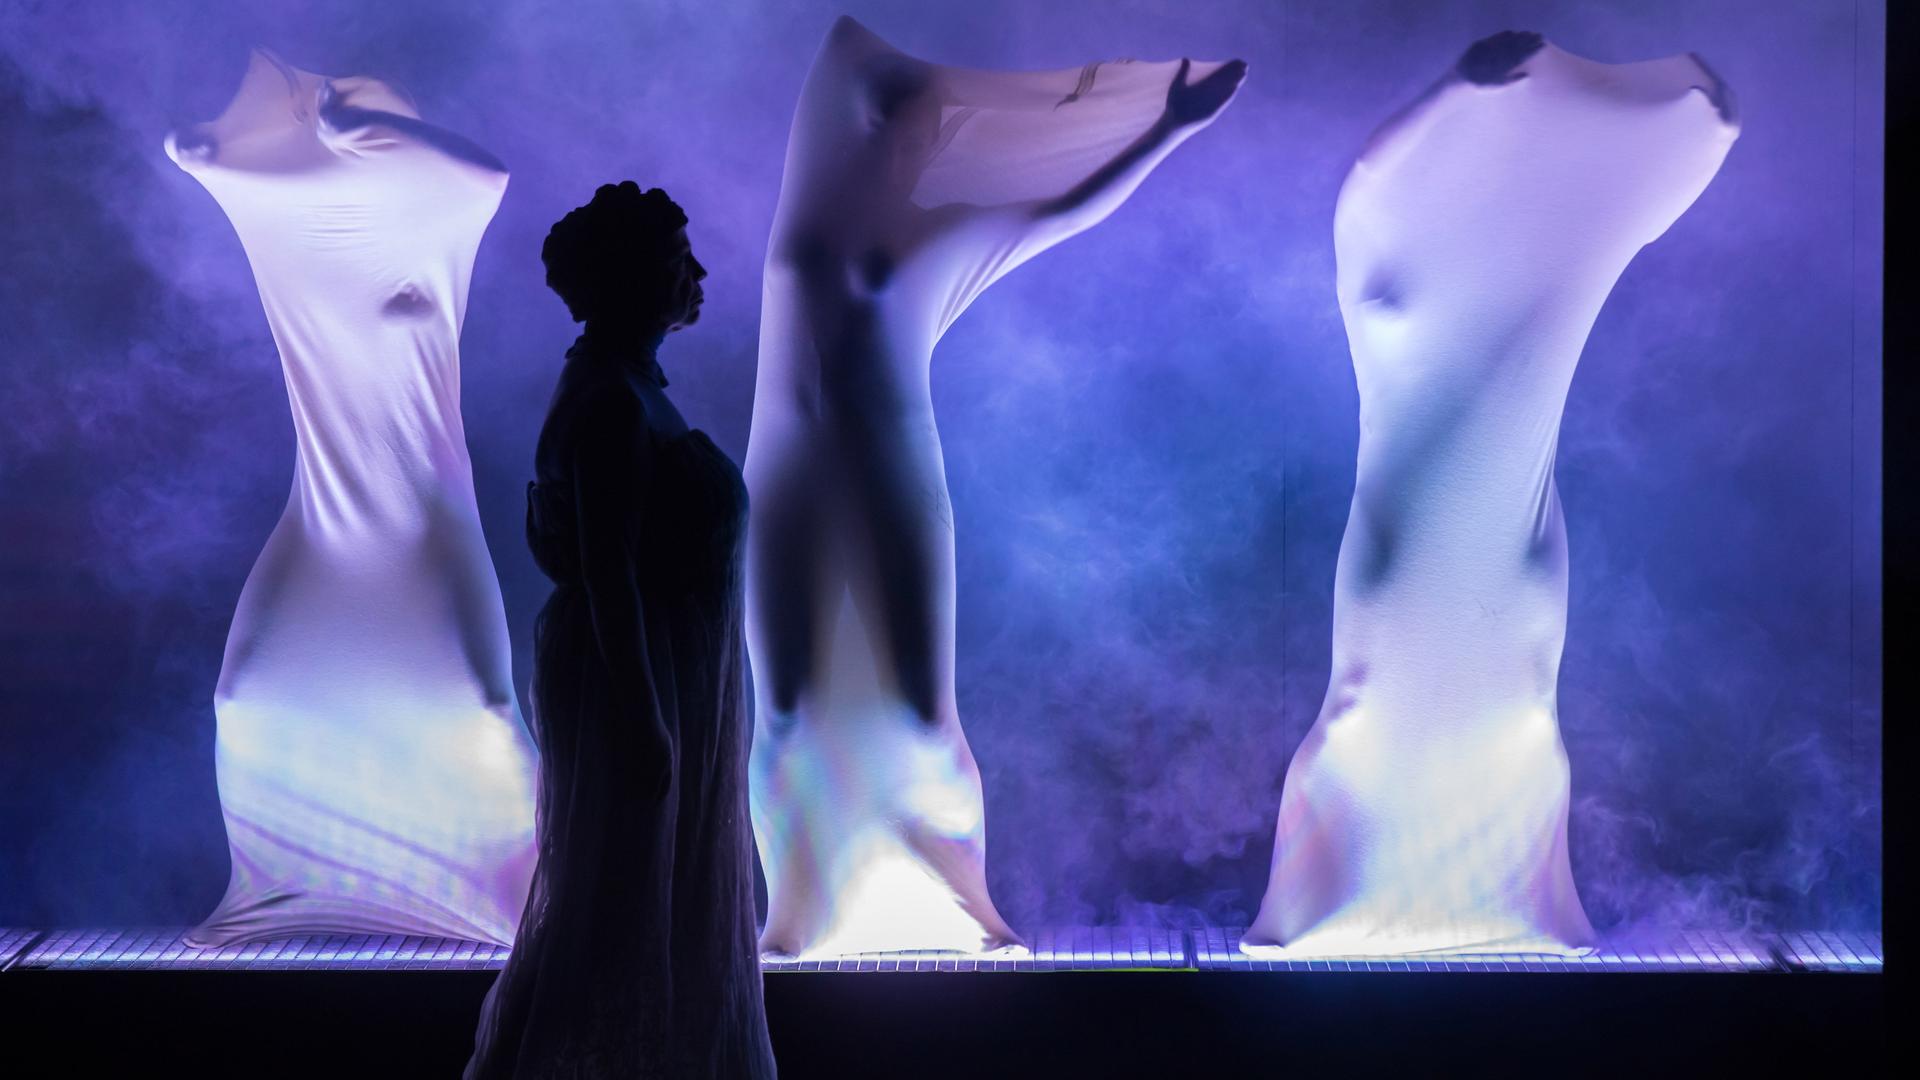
{"x": 612, "y": 478}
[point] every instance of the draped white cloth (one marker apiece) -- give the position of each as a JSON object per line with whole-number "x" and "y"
{"x": 374, "y": 773}
{"x": 1476, "y": 238}
{"x": 909, "y": 189}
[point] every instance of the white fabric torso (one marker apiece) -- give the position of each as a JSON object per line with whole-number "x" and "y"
{"x": 1476, "y": 241}
{"x": 909, "y": 189}
{"x": 374, "y": 773}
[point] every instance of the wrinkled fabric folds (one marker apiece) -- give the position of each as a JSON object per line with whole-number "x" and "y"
{"x": 909, "y": 189}
{"x": 1476, "y": 239}
{"x": 374, "y": 773}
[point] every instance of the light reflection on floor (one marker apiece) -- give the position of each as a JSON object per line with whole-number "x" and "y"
{"x": 1051, "y": 949}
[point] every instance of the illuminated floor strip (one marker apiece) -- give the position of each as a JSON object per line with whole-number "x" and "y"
{"x": 1824, "y": 950}
{"x": 1078, "y": 948}
{"x": 13, "y": 943}
{"x": 149, "y": 949}
{"x": 1217, "y": 949}
{"x": 1052, "y": 949}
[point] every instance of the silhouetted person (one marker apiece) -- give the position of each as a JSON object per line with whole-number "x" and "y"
{"x": 635, "y": 955}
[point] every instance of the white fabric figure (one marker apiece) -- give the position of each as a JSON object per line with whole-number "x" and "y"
{"x": 1476, "y": 239}
{"x": 374, "y": 773}
{"x": 909, "y": 189}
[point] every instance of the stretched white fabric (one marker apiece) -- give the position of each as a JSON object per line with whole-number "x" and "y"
{"x": 374, "y": 773}
{"x": 1476, "y": 239}
{"x": 909, "y": 189}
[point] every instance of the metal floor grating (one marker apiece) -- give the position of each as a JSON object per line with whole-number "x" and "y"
{"x": 82, "y": 950}
{"x": 1218, "y": 949}
{"x": 12, "y": 942}
{"x": 1075, "y": 948}
{"x": 1050, "y": 949}
{"x": 1826, "y": 950}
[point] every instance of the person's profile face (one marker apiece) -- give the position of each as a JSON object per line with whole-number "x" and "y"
{"x": 685, "y": 273}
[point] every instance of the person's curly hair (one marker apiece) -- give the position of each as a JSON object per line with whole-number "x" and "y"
{"x": 614, "y": 250}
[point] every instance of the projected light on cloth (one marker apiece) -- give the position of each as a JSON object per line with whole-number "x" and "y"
{"x": 909, "y": 189}
{"x": 374, "y": 773}
{"x": 1476, "y": 239}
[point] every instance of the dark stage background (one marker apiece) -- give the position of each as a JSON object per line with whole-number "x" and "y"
{"x": 1149, "y": 432}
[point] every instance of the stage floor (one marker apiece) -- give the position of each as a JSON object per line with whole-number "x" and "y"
{"x": 1213, "y": 949}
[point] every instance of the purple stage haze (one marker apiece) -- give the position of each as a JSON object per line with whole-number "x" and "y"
{"x": 1149, "y": 432}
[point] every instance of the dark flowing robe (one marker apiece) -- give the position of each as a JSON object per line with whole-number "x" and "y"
{"x": 635, "y": 954}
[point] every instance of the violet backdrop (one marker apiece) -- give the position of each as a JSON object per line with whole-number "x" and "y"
{"x": 1150, "y": 472}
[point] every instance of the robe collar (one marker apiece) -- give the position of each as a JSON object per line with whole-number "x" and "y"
{"x": 642, "y": 358}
